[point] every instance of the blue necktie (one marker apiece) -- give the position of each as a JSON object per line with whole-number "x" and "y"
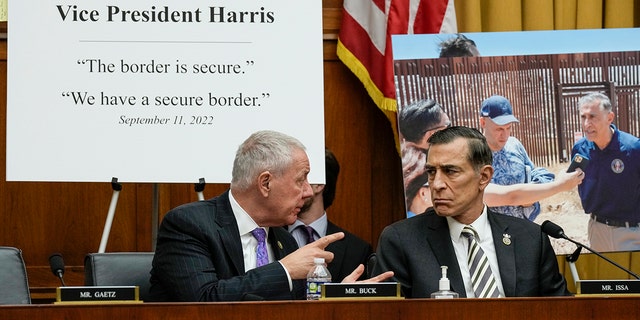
{"x": 262, "y": 257}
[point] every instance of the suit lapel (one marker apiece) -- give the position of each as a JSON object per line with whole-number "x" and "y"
{"x": 280, "y": 247}
{"x": 504, "y": 243}
{"x": 440, "y": 241}
{"x": 229, "y": 233}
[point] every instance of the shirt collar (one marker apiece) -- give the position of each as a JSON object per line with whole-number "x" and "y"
{"x": 481, "y": 225}
{"x": 245, "y": 223}
{"x": 319, "y": 225}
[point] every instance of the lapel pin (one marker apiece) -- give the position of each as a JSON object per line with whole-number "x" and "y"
{"x": 280, "y": 245}
{"x": 506, "y": 239}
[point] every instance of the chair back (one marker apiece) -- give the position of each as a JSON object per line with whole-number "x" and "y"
{"x": 14, "y": 285}
{"x": 119, "y": 269}
{"x": 371, "y": 263}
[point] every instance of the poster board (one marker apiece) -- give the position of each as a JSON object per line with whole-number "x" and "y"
{"x": 515, "y": 45}
{"x": 150, "y": 91}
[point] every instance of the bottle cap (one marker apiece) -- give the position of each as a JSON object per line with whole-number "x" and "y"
{"x": 318, "y": 260}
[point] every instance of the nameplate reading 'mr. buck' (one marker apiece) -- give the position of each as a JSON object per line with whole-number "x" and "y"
{"x": 98, "y": 294}
{"x": 381, "y": 290}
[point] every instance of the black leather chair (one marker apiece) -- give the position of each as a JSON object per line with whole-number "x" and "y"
{"x": 14, "y": 285}
{"x": 119, "y": 269}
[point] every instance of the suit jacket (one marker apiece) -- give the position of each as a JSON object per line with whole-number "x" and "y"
{"x": 199, "y": 257}
{"x": 348, "y": 253}
{"x": 415, "y": 248}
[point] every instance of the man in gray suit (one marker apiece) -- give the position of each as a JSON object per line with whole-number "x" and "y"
{"x": 207, "y": 250}
{"x": 520, "y": 257}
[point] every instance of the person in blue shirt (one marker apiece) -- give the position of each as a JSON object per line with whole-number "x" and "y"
{"x": 610, "y": 192}
{"x": 510, "y": 159}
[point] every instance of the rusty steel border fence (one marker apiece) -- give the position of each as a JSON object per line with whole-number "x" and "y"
{"x": 543, "y": 90}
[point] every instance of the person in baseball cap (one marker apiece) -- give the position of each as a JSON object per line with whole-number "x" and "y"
{"x": 499, "y": 109}
{"x": 511, "y": 162}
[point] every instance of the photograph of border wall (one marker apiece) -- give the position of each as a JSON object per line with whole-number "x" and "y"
{"x": 543, "y": 90}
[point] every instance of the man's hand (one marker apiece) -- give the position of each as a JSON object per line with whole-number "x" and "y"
{"x": 355, "y": 275}
{"x": 570, "y": 180}
{"x": 299, "y": 262}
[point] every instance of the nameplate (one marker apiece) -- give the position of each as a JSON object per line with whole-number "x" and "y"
{"x": 380, "y": 290}
{"x": 608, "y": 287}
{"x": 95, "y": 294}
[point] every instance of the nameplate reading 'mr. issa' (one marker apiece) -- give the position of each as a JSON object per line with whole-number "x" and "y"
{"x": 380, "y": 290}
{"x": 608, "y": 287}
{"x": 98, "y": 294}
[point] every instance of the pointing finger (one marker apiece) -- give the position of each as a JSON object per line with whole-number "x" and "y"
{"x": 328, "y": 239}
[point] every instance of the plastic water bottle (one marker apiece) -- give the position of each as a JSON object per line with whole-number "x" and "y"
{"x": 317, "y": 276}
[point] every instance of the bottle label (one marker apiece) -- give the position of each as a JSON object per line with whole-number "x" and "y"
{"x": 314, "y": 287}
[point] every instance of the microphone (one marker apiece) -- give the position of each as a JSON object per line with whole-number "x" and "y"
{"x": 57, "y": 266}
{"x": 556, "y": 231}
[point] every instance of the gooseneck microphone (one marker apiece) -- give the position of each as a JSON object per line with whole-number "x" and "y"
{"x": 57, "y": 266}
{"x": 556, "y": 231}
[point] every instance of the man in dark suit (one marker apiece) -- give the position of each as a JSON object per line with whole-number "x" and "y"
{"x": 313, "y": 223}
{"x": 207, "y": 250}
{"x": 521, "y": 259}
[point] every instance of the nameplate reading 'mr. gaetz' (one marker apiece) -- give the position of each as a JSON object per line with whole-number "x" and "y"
{"x": 97, "y": 294}
{"x": 380, "y": 290}
{"x": 608, "y": 287}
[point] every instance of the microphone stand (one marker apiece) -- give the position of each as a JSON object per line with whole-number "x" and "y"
{"x": 599, "y": 255}
{"x": 61, "y": 278}
{"x": 572, "y": 258}
{"x": 199, "y": 188}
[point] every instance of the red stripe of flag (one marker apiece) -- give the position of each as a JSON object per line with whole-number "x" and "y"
{"x": 374, "y": 65}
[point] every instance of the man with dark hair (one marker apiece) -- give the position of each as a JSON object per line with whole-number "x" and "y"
{"x": 458, "y": 46}
{"x": 461, "y": 233}
{"x": 416, "y": 186}
{"x": 313, "y": 223}
{"x": 419, "y": 120}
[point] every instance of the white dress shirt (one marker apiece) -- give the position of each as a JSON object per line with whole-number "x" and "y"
{"x": 249, "y": 242}
{"x": 460, "y": 245}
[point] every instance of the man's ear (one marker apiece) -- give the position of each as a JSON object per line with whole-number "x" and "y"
{"x": 264, "y": 179}
{"x": 486, "y": 173}
{"x": 317, "y": 188}
{"x": 610, "y": 117}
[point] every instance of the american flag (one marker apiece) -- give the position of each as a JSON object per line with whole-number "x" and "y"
{"x": 364, "y": 42}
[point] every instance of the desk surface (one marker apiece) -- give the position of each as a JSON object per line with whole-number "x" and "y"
{"x": 506, "y": 308}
